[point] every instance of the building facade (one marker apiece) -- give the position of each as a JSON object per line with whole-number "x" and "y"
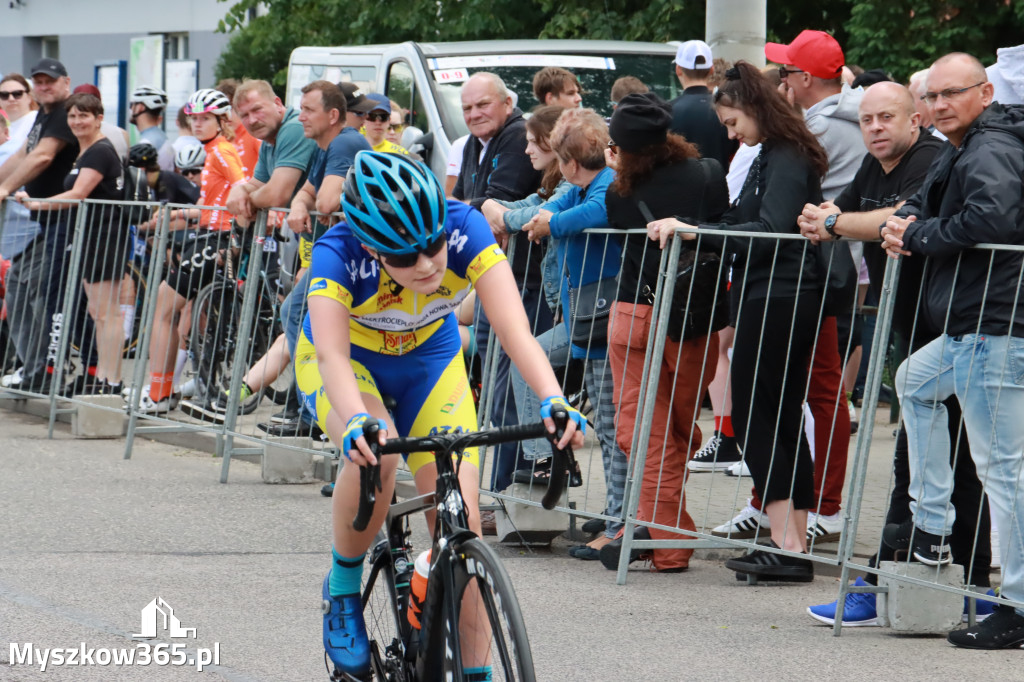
{"x": 82, "y": 34}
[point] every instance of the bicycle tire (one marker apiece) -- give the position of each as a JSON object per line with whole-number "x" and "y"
{"x": 382, "y": 614}
{"x": 509, "y": 652}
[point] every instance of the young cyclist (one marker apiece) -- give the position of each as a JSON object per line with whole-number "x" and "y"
{"x": 208, "y": 111}
{"x": 384, "y": 286}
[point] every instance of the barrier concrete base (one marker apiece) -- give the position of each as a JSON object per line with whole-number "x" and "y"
{"x": 99, "y": 416}
{"x": 284, "y": 464}
{"x": 917, "y": 609}
{"x": 526, "y": 524}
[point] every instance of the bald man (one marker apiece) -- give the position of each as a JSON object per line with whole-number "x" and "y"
{"x": 972, "y": 195}
{"x": 900, "y": 154}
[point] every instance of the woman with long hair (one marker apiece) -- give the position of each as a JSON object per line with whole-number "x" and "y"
{"x": 774, "y": 282}
{"x": 658, "y": 172}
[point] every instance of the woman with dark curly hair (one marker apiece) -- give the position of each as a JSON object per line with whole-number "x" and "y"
{"x": 777, "y": 295}
{"x": 661, "y": 171}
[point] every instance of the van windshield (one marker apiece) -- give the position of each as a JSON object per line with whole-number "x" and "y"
{"x": 596, "y": 75}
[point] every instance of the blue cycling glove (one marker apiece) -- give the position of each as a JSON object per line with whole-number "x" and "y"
{"x": 560, "y": 401}
{"x": 353, "y": 430}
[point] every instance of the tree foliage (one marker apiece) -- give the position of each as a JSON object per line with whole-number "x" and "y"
{"x": 904, "y": 36}
{"x": 901, "y": 36}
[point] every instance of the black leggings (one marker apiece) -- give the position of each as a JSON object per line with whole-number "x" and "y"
{"x": 768, "y": 394}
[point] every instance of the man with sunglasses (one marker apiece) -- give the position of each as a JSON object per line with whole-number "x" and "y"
{"x": 971, "y": 195}
{"x": 375, "y": 127}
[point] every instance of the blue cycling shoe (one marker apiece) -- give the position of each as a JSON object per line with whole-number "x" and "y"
{"x": 345, "y": 637}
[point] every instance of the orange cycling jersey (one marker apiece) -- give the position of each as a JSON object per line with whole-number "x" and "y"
{"x": 222, "y": 171}
{"x": 248, "y": 150}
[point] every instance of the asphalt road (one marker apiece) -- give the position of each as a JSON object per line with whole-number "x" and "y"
{"x": 88, "y": 540}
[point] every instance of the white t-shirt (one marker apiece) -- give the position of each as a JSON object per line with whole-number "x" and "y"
{"x": 455, "y": 156}
{"x": 739, "y": 168}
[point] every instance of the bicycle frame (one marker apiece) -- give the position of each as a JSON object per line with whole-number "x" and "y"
{"x": 425, "y": 649}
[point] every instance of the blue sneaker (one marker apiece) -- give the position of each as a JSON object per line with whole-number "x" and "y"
{"x": 858, "y": 609}
{"x": 345, "y": 633}
{"x": 983, "y": 608}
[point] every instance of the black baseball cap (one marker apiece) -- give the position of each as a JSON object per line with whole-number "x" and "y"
{"x": 355, "y": 100}
{"x": 49, "y": 67}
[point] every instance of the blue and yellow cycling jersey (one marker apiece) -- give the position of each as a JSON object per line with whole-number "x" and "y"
{"x": 386, "y": 318}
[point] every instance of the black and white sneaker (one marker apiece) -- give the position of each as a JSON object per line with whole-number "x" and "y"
{"x": 928, "y": 548}
{"x": 769, "y": 565}
{"x": 1004, "y": 629}
{"x": 718, "y": 454}
{"x": 206, "y": 409}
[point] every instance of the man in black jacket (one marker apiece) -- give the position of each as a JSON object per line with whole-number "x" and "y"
{"x": 972, "y": 195}
{"x": 495, "y": 166}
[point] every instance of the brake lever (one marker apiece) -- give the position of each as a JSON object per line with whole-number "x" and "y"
{"x": 369, "y": 478}
{"x": 562, "y": 461}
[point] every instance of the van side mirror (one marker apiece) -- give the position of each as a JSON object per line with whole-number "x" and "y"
{"x": 416, "y": 141}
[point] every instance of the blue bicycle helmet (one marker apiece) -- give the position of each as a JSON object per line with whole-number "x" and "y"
{"x": 393, "y": 204}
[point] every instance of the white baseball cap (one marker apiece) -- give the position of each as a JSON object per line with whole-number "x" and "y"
{"x": 693, "y": 54}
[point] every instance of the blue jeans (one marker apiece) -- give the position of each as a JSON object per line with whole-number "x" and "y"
{"x": 293, "y": 312}
{"x": 555, "y": 343}
{"x": 503, "y": 408}
{"x": 986, "y": 374}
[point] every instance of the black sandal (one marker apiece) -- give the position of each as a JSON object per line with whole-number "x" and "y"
{"x": 540, "y": 472}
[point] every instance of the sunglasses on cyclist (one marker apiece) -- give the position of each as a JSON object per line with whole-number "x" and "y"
{"x": 192, "y": 171}
{"x": 12, "y": 94}
{"x": 408, "y": 260}
{"x": 378, "y": 116}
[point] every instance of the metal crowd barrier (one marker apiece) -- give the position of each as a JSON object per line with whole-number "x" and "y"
{"x": 710, "y": 500}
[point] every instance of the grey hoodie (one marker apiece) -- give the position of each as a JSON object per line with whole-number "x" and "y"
{"x": 835, "y": 121}
{"x": 1007, "y": 75}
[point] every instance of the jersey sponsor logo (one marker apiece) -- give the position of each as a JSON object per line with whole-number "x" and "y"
{"x": 396, "y": 344}
{"x": 456, "y": 397}
{"x": 317, "y": 285}
{"x": 385, "y": 301}
{"x": 457, "y": 240}
{"x": 483, "y": 262}
{"x": 364, "y": 269}
{"x": 443, "y": 291}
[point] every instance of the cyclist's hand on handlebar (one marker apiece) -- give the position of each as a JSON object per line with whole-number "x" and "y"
{"x": 575, "y": 425}
{"x": 354, "y": 445}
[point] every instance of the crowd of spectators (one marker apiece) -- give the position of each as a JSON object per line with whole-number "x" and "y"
{"x": 810, "y": 146}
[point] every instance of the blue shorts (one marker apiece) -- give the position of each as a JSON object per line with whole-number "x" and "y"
{"x": 429, "y": 386}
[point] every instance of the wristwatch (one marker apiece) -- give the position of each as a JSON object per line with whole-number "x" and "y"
{"x": 830, "y": 226}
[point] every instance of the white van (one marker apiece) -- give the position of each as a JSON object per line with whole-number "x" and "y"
{"x": 425, "y": 78}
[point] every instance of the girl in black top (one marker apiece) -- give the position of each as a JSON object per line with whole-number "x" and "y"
{"x": 776, "y": 288}
{"x": 97, "y": 174}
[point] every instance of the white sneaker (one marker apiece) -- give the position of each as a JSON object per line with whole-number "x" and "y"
{"x": 188, "y": 389}
{"x": 822, "y": 528}
{"x": 12, "y": 380}
{"x": 854, "y": 423}
{"x": 748, "y": 523}
{"x": 738, "y": 469}
{"x": 148, "y": 406}
{"x": 128, "y": 391}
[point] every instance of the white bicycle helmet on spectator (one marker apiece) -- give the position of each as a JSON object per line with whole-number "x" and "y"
{"x": 190, "y": 157}
{"x": 152, "y": 98}
{"x": 208, "y": 101}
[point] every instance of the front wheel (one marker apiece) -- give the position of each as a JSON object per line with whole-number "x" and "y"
{"x": 382, "y": 614}
{"x": 488, "y": 629}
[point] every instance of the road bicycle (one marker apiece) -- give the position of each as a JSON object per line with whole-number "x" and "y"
{"x": 468, "y": 587}
{"x": 214, "y": 340}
